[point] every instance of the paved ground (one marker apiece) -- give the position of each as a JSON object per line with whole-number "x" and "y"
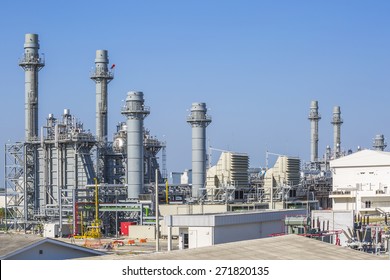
{"x": 122, "y": 246}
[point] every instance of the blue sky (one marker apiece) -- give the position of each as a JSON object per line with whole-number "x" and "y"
{"x": 257, "y": 65}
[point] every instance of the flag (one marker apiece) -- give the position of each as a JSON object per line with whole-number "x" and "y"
{"x": 113, "y": 66}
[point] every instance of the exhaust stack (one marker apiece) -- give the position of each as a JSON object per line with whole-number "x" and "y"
{"x": 102, "y": 76}
{"x": 136, "y": 112}
{"x": 337, "y": 122}
{"x": 31, "y": 64}
{"x": 199, "y": 120}
{"x": 314, "y": 119}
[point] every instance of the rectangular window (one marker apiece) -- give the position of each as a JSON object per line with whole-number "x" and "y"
{"x": 40, "y": 252}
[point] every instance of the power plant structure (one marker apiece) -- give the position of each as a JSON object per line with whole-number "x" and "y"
{"x": 316, "y": 181}
{"x": 64, "y": 172}
{"x": 59, "y": 174}
{"x": 87, "y": 185}
{"x": 228, "y": 180}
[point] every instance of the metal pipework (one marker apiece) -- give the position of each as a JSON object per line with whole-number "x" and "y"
{"x": 31, "y": 64}
{"x": 336, "y": 122}
{"x": 135, "y": 111}
{"x": 102, "y": 76}
{"x": 379, "y": 143}
{"x": 199, "y": 120}
{"x": 314, "y": 118}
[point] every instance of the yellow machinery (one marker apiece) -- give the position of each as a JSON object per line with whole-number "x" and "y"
{"x": 93, "y": 231}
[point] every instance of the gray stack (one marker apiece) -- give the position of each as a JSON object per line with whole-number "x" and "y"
{"x": 102, "y": 76}
{"x": 31, "y": 64}
{"x": 135, "y": 111}
{"x": 314, "y": 118}
{"x": 199, "y": 121}
{"x": 337, "y": 122}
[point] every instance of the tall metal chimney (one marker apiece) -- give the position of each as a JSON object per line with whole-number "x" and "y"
{"x": 199, "y": 120}
{"x": 135, "y": 111}
{"x": 31, "y": 64}
{"x": 337, "y": 122}
{"x": 314, "y": 118}
{"x": 102, "y": 76}
{"x": 379, "y": 143}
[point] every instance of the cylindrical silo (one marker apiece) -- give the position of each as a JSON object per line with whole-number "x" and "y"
{"x": 314, "y": 118}
{"x": 31, "y": 64}
{"x": 135, "y": 111}
{"x": 102, "y": 76}
{"x": 337, "y": 122}
{"x": 199, "y": 120}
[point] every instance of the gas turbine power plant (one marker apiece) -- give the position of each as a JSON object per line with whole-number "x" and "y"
{"x": 65, "y": 175}
{"x": 61, "y": 171}
{"x": 86, "y": 185}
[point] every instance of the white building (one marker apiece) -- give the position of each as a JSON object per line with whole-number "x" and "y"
{"x": 210, "y": 229}
{"x": 32, "y": 247}
{"x": 179, "y": 178}
{"x": 361, "y": 182}
{"x": 186, "y": 177}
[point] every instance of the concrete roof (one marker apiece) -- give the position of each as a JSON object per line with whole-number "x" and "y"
{"x": 235, "y": 218}
{"x": 12, "y": 244}
{"x": 287, "y": 247}
{"x": 363, "y": 158}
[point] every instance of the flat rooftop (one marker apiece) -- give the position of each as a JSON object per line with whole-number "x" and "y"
{"x": 287, "y": 247}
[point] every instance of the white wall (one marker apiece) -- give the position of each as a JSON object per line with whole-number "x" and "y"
{"x": 363, "y": 183}
{"x": 200, "y": 237}
{"x": 142, "y": 232}
{"x": 186, "y": 177}
{"x": 184, "y": 209}
{"x": 344, "y": 204}
{"x": 224, "y": 234}
{"x": 52, "y": 230}
{"x": 370, "y": 178}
